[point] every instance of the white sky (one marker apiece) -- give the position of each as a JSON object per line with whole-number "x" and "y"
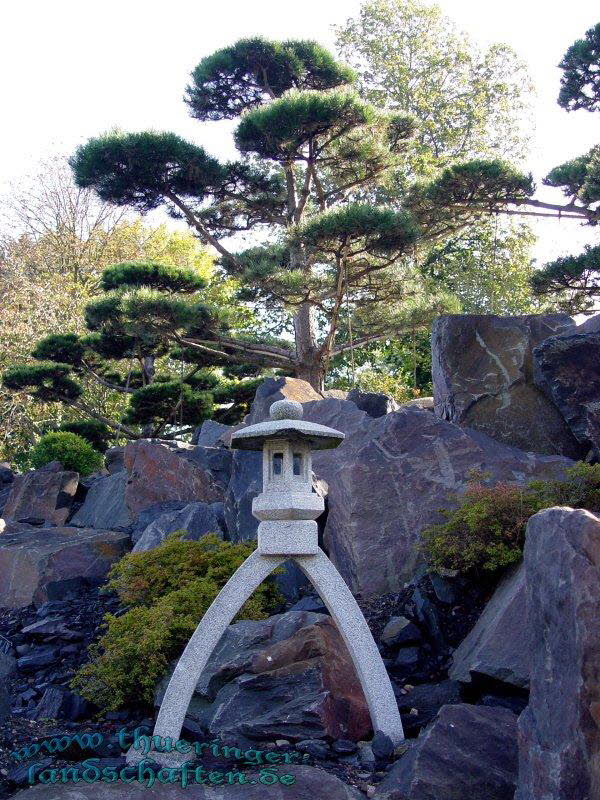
{"x": 72, "y": 69}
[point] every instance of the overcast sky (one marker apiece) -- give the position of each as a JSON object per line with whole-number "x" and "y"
{"x": 71, "y": 70}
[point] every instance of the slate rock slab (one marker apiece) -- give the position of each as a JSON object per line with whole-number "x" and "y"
{"x": 158, "y": 473}
{"x": 104, "y": 505}
{"x": 567, "y": 370}
{"x": 482, "y": 369}
{"x": 36, "y": 562}
{"x": 209, "y": 433}
{"x": 197, "y": 519}
{"x": 311, "y": 784}
{"x": 559, "y": 732}
{"x": 45, "y": 493}
{"x": 289, "y": 676}
{"x": 499, "y": 646}
{"x": 388, "y": 480}
{"x": 467, "y": 752}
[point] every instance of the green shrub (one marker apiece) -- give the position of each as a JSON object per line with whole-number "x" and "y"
{"x": 96, "y": 433}
{"x": 73, "y": 452}
{"x": 168, "y": 590}
{"x": 487, "y": 530}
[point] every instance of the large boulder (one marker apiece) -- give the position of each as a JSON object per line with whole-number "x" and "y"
{"x": 104, "y": 505}
{"x": 309, "y": 783}
{"x": 288, "y": 676}
{"x": 559, "y": 732}
{"x": 567, "y": 370}
{"x": 390, "y": 477}
{"x": 43, "y": 495}
{"x": 385, "y": 483}
{"x": 499, "y": 646}
{"x": 467, "y": 752}
{"x": 39, "y": 564}
{"x": 159, "y": 471}
{"x": 196, "y": 519}
{"x": 483, "y": 378}
{"x": 273, "y": 389}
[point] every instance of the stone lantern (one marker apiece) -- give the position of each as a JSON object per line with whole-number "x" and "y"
{"x": 287, "y": 510}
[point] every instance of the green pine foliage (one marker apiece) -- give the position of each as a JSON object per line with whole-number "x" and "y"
{"x": 166, "y": 590}
{"x": 251, "y": 71}
{"x": 487, "y": 530}
{"x": 580, "y": 82}
{"x": 314, "y": 183}
{"x": 163, "y": 277}
{"x": 73, "y": 451}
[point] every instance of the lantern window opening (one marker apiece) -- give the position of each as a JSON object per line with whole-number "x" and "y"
{"x": 277, "y": 464}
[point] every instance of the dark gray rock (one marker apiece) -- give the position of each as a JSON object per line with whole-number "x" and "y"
{"x": 152, "y": 513}
{"x": 499, "y": 646}
{"x": 483, "y": 378}
{"x": 41, "y": 564}
{"x": 388, "y": 481}
{"x": 104, "y": 505}
{"x": 114, "y": 459}
{"x": 407, "y": 657}
{"x": 421, "y": 703}
{"x": 559, "y": 732}
{"x": 288, "y": 676}
{"x": 7, "y": 476}
{"x": 46, "y": 494}
{"x": 40, "y": 657}
{"x": 209, "y": 433}
{"x": 382, "y": 747}
{"x": 374, "y": 404}
{"x": 217, "y": 461}
{"x": 4, "y": 702}
{"x": 400, "y": 631}
{"x": 567, "y": 370}
{"x": 309, "y": 783}
{"x": 197, "y": 519}
{"x": 57, "y": 703}
{"x": 466, "y": 752}
{"x": 310, "y": 603}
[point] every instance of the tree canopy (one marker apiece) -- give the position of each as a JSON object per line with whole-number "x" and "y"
{"x": 332, "y": 248}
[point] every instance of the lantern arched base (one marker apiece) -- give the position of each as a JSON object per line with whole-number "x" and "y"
{"x": 341, "y": 605}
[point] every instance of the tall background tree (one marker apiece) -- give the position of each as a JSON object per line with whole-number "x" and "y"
{"x": 469, "y": 103}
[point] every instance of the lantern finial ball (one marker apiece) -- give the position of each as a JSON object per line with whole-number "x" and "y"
{"x": 286, "y": 409}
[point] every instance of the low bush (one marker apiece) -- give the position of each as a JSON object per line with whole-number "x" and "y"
{"x": 73, "y": 452}
{"x": 487, "y": 530}
{"x": 96, "y": 433}
{"x": 168, "y": 590}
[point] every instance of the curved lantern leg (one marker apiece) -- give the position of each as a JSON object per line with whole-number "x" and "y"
{"x": 202, "y": 643}
{"x": 358, "y": 639}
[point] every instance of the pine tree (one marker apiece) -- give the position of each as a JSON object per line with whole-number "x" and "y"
{"x": 129, "y": 334}
{"x": 314, "y": 162}
{"x": 573, "y": 282}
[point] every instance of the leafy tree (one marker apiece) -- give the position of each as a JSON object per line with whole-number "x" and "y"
{"x": 573, "y": 282}
{"x": 580, "y": 83}
{"x": 469, "y": 103}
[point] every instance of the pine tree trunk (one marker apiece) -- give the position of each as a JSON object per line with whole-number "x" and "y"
{"x": 309, "y": 362}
